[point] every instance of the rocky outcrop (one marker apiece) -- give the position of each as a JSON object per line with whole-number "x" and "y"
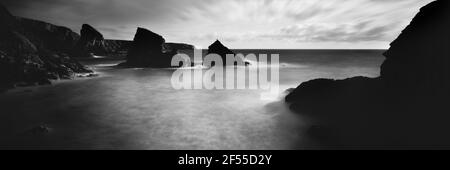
{"x": 147, "y": 51}
{"x": 406, "y": 106}
{"x": 218, "y": 48}
{"x": 419, "y": 59}
{"x": 91, "y": 43}
{"x": 33, "y": 52}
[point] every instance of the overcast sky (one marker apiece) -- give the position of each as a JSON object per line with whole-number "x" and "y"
{"x": 237, "y": 23}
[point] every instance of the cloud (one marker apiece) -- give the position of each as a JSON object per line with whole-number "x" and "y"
{"x": 240, "y": 22}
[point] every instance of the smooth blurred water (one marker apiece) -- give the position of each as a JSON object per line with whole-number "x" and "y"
{"x": 139, "y": 109}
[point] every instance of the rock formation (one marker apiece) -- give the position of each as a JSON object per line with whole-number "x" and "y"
{"x": 32, "y": 52}
{"x": 147, "y": 51}
{"x": 420, "y": 57}
{"x": 91, "y": 43}
{"x": 405, "y": 106}
{"x": 218, "y": 48}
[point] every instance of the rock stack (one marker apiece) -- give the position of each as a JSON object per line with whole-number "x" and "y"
{"x": 147, "y": 51}
{"x": 91, "y": 43}
{"x": 218, "y": 48}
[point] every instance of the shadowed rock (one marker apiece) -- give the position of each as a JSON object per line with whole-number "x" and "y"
{"x": 91, "y": 43}
{"x": 218, "y": 48}
{"x": 147, "y": 51}
{"x": 406, "y": 106}
{"x": 33, "y": 52}
{"x": 420, "y": 57}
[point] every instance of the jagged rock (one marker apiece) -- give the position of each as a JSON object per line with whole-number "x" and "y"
{"x": 147, "y": 51}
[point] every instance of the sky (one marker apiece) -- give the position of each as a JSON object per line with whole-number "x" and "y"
{"x": 252, "y": 24}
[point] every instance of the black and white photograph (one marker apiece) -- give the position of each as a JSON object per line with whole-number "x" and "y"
{"x": 240, "y": 75}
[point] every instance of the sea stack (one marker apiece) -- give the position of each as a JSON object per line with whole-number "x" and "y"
{"x": 218, "y": 48}
{"x": 147, "y": 51}
{"x": 91, "y": 43}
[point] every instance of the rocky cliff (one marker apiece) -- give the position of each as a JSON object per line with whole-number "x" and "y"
{"x": 406, "y": 106}
{"x": 32, "y": 52}
{"x": 419, "y": 58}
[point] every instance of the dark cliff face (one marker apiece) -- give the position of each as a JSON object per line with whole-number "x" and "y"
{"x": 147, "y": 50}
{"x": 33, "y": 52}
{"x": 420, "y": 57}
{"x": 48, "y": 36}
{"x": 6, "y": 18}
{"x": 406, "y": 106}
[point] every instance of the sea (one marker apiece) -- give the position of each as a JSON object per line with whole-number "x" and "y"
{"x": 138, "y": 108}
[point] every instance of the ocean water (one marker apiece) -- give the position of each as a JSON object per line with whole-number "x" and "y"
{"x": 139, "y": 108}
